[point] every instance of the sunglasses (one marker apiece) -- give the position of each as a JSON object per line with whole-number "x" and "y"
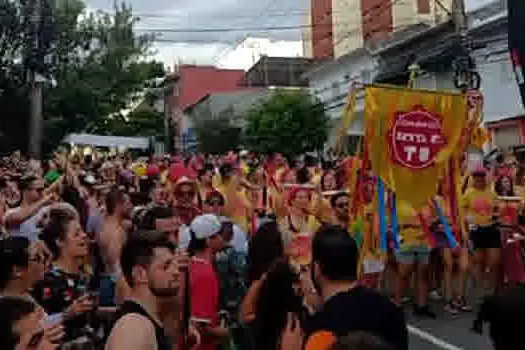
{"x": 342, "y": 205}
{"x": 214, "y": 202}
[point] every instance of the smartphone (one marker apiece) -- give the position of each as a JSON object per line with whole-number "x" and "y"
{"x": 53, "y": 319}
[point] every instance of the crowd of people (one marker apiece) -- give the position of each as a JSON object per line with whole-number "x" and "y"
{"x": 247, "y": 252}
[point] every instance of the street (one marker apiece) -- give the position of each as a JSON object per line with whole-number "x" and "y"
{"x": 445, "y": 333}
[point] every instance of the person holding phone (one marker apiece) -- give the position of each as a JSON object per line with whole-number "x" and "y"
{"x": 22, "y": 265}
{"x": 65, "y": 287}
{"x": 21, "y": 326}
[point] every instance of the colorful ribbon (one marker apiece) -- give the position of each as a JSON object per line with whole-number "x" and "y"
{"x": 448, "y": 231}
{"x": 394, "y": 221}
{"x": 383, "y": 227}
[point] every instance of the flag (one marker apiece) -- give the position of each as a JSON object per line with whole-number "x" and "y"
{"x": 410, "y": 135}
{"x": 347, "y": 119}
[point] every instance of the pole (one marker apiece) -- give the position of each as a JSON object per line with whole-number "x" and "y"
{"x": 36, "y": 81}
{"x": 465, "y": 76}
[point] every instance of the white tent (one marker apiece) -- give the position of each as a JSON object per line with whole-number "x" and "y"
{"x": 108, "y": 141}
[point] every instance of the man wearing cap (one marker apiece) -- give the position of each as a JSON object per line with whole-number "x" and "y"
{"x": 214, "y": 204}
{"x": 206, "y": 241}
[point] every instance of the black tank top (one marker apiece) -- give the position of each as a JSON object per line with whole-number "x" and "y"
{"x": 131, "y": 307}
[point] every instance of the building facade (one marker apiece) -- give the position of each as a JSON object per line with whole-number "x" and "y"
{"x": 189, "y": 84}
{"x": 331, "y": 83}
{"x": 504, "y": 114}
{"x": 228, "y": 105}
{"x": 337, "y": 27}
{"x": 386, "y": 63}
{"x": 277, "y": 72}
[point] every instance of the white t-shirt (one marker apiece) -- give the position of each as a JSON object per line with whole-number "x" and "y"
{"x": 27, "y": 228}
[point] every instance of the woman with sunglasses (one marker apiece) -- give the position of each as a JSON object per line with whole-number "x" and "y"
{"x": 22, "y": 221}
{"x": 22, "y": 266}
{"x": 185, "y": 191}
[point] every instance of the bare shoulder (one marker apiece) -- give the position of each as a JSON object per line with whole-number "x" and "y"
{"x": 132, "y": 331}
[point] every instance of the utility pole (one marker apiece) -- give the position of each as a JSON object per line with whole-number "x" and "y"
{"x": 465, "y": 77}
{"x": 36, "y": 84}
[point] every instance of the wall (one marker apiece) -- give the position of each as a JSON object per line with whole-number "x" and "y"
{"x": 355, "y": 21}
{"x": 500, "y": 91}
{"x": 322, "y": 29}
{"x": 377, "y": 18}
{"x": 348, "y": 34}
{"x": 331, "y": 82}
{"x": 306, "y": 32}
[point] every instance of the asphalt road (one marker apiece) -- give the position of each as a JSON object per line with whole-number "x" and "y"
{"x": 445, "y": 333}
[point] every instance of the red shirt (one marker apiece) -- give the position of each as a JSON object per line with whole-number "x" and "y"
{"x": 204, "y": 289}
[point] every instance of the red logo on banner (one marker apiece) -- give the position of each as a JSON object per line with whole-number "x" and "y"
{"x": 416, "y": 137}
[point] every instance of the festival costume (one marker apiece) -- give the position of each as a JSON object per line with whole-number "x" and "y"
{"x": 413, "y": 240}
{"x": 511, "y": 253}
{"x": 479, "y": 206}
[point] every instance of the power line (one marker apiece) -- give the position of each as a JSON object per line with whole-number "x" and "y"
{"x": 227, "y": 50}
{"x": 222, "y": 30}
{"x": 262, "y": 28}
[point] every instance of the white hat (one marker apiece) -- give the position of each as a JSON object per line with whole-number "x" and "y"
{"x": 205, "y": 226}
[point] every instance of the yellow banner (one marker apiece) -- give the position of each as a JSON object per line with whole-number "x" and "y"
{"x": 410, "y": 135}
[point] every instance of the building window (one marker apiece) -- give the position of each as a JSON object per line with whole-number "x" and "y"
{"x": 423, "y": 6}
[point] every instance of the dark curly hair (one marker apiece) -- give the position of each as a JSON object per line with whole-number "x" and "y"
{"x": 56, "y": 229}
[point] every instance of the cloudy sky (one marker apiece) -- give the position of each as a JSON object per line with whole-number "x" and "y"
{"x": 183, "y": 25}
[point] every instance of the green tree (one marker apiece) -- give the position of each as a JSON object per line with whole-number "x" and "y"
{"x": 290, "y": 122}
{"x": 217, "y": 135}
{"x": 98, "y": 62}
{"x": 143, "y": 121}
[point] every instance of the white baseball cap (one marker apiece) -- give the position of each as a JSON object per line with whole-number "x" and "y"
{"x": 205, "y": 226}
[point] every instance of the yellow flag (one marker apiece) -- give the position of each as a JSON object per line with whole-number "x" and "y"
{"x": 480, "y": 136}
{"x": 410, "y": 136}
{"x": 347, "y": 118}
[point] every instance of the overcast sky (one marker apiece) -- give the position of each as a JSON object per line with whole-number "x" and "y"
{"x": 208, "y": 47}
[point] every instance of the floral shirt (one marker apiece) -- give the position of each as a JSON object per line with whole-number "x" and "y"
{"x": 57, "y": 292}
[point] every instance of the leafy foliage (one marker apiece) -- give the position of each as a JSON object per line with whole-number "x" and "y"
{"x": 96, "y": 59}
{"x": 290, "y": 122}
{"x": 143, "y": 121}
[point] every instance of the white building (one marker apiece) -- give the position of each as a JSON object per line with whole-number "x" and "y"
{"x": 504, "y": 114}
{"x": 331, "y": 81}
